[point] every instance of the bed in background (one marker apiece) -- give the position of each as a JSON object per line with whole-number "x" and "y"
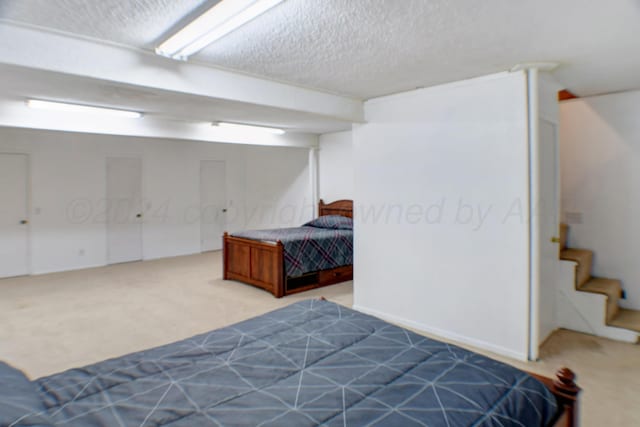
{"x": 310, "y": 363}
{"x": 286, "y": 261}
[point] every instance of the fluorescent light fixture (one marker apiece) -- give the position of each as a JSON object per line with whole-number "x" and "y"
{"x": 76, "y": 108}
{"x": 249, "y": 128}
{"x": 215, "y": 23}
{"x": 542, "y": 66}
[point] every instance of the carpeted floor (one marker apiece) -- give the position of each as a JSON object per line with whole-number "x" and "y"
{"x": 58, "y": 321}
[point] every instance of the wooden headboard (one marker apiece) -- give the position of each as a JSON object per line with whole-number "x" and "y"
{"x": 339, "y": 207}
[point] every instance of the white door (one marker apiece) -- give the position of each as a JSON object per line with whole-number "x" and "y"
{"x": 213, "y": 204}
{"x": 124, "y": 209}
{"x": 549, "y": 226}
{"x": 14, "y": 224}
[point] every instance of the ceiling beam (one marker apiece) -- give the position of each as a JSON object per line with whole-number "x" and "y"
{"x": 52, "y": 51}
{"x": 18, "y": 115}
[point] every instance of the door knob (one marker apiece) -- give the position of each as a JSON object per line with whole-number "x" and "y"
{"x": 24, "y": 222}
{"x": 139, "y": 215}
{"x": 555, "y": 240}
{"x": 224, "y": 210}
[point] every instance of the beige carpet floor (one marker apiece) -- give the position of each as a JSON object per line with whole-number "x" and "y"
{"x": 58, "y": 321}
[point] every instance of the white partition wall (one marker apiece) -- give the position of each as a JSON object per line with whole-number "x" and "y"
{"x": 442, "y": 199}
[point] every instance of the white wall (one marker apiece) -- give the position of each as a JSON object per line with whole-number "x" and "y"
{"x": 336, "y": 166}
{"x": 600, "y": 175}
{"x": 277, "y": 184}
{"x": 68, "y": 173}
{"x": 441, "y": 191}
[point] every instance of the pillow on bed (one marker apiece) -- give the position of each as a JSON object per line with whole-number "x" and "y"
{"x": 337, "y": 222}
{"x": 20, "y": 403}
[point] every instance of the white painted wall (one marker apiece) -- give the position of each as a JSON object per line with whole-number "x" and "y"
{"x": 445, "y": 171}
{"x": 277, "y": 188}
{"x": 336, "y": 166}
{"x": 69, "y": 185}
{"x": 600, "y": 175}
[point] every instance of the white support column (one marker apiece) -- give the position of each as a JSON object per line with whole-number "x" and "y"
{"x": 313, "y": 179}
{"x": 534, "y": 217}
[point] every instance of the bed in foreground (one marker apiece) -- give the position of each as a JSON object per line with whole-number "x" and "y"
{"x": 310, "y": 363}
{"x": 289, "y": 260}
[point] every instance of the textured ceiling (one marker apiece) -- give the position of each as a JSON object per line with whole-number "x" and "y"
{"x": 368, "y": 48}
{"x": 139, "y": 23}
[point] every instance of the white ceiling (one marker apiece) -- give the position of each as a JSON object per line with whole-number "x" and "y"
{"x": 368, "y": 48}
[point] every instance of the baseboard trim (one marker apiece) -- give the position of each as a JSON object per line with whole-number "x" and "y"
{"x": 447, "y": 335}
{"x": 66, "y": 269}
{"x": 85, "y": 267}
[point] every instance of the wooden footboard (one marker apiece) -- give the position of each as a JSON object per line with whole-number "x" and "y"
{"x": 257, "y": 263}
{"x": 262, "y": 264}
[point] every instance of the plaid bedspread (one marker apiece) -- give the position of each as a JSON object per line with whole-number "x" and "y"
{"x": 308, "y": 249}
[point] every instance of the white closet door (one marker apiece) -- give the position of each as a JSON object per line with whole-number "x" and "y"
{"x": 124, "y": 209}
{"x": 549, "y": 226}
{"x": 14, "y": 225}
{"x": 213, "y": 204}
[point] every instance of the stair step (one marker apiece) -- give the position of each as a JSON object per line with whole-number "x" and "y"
{"x": 564, "y": 233}
{"x": 627, "y": 319}
{"x": 612, "y": 288}
{"x": 584, "y": 258}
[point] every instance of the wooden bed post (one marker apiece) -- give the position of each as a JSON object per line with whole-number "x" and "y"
{"x": 567, "y": 394}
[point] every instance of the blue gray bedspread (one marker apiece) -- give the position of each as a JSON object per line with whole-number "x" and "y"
{"x": 311, "y": 363}
{"x": 308, "y": 249}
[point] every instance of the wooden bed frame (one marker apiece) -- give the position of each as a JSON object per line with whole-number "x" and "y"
{"x": 566, "y": 392}
{"x": 261, "y": 264}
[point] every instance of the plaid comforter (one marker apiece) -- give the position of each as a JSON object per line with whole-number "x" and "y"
{"x": 308, "y": 249}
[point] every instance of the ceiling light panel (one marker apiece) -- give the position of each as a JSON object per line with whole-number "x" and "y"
{"x": 249, "y": 128}
{"x": 76, "y": 108}
{"x": 217, "y": 22}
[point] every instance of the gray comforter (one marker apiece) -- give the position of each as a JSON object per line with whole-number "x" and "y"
{"x": 311, "y": 363}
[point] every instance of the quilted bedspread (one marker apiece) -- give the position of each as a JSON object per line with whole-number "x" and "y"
{"x": 311, "y": 363}
{"x": 308, "y": 249}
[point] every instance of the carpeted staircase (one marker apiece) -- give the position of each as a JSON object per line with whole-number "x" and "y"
{"x": 612, "y": 288}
